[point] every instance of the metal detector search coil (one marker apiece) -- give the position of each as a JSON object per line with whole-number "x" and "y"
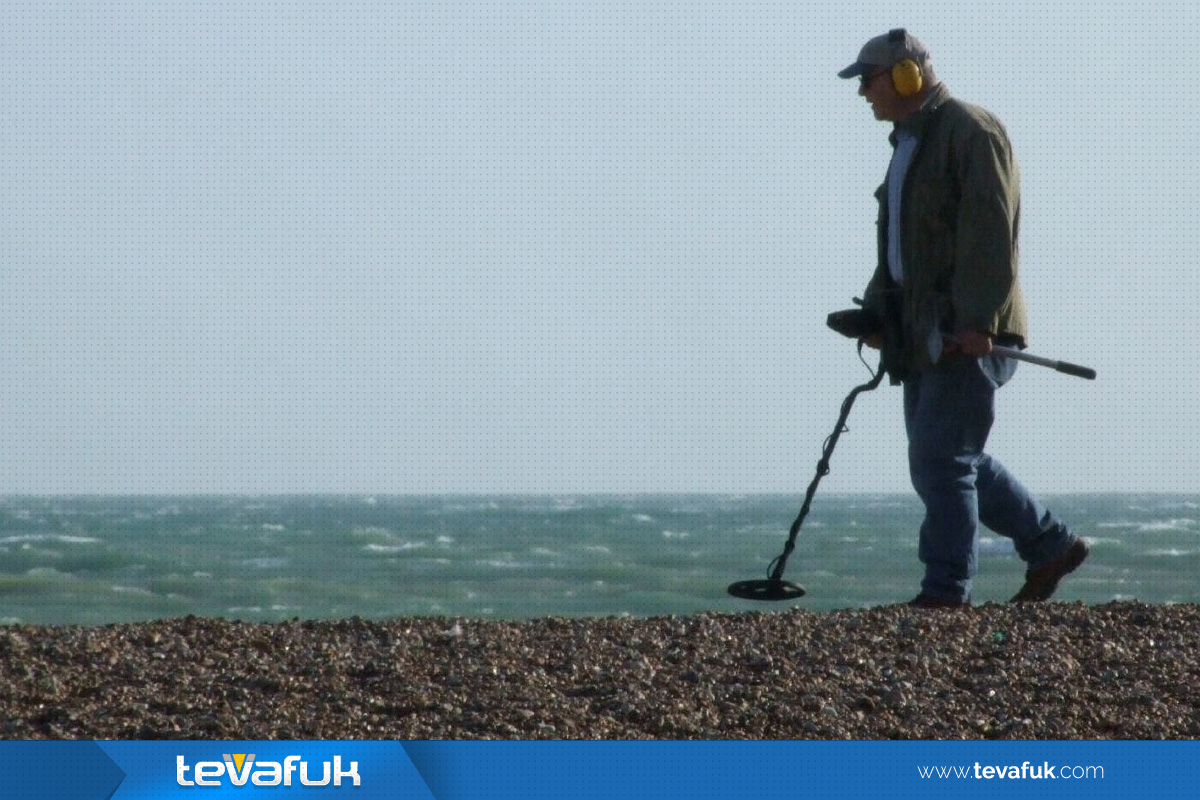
{"x": 766, "y": 590}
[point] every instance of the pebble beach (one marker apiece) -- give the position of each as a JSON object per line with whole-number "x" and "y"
{"x": 1039, "y": 671}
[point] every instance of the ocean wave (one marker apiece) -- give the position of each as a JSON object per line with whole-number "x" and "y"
{"x": 48, "y": 537}
{"x": 994, "y": 545}
{"x": 137, "y": 590}
{"x": 267, "y": 562}
{"x": 1179, "y": 524}
{"x": 1169, "y": 525}
{"x": 368, "y": 531}
{"x": 403, "y": 547}
{"x": 48, "y": 573}
{"x": 504, "y": 563}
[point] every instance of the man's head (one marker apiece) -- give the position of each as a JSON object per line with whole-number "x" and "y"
{"x": 895, "y": 74}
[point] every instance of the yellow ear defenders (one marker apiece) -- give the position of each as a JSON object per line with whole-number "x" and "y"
{"x": 906, "y": 73}
{"x": 906, "y": 77}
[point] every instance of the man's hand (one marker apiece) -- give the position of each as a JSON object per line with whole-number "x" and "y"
{"x": 875, "y": 341}
{"x": 971, "y": 343}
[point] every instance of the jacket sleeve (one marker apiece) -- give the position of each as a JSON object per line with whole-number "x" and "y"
{"x": 985, "y": 273}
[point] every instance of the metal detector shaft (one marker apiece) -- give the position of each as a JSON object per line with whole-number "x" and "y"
{"x": 775, "y": 587}
{"x": 780, "y": 562}
{"x": 1064, "y": 367}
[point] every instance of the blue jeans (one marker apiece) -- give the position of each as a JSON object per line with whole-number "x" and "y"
{"x": 948, "y": 413}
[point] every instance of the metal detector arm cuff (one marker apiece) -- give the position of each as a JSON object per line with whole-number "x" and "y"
{"x": 855, "y": 323}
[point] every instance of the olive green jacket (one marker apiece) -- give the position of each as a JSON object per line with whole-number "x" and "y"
{"x": 960, "y": 207}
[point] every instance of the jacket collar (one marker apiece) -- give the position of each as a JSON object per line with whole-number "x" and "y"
{"x": 917, "y": 123}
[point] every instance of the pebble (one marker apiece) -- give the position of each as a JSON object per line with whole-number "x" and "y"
{"x": 1058, "y": 671}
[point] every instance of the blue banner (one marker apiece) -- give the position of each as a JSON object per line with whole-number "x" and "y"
{"x": 626, "y": 770}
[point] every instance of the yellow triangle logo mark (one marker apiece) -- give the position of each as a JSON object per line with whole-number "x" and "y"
{"x": 238, "y": 760}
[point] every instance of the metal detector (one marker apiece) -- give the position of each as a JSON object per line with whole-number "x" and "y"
{"x": 857, "y": 324}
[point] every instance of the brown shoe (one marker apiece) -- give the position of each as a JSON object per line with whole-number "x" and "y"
{"x": 1040, "y": 583}
{"x": 933, "y": 601}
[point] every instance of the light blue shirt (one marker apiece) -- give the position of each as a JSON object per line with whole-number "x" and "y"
{"x": 906, "y": 145}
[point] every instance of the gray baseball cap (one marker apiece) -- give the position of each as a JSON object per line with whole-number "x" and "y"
{"x": 884, "y": 51}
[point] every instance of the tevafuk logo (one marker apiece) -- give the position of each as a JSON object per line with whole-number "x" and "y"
{"x": 239, "y": 773}
{"x": 240, "y": 768}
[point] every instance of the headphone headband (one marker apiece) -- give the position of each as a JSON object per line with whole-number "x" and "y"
{"x": 898, "y": 39}
{"x": 907, "y": 75}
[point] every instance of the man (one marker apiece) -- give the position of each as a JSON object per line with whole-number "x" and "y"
{"x": 946, "y": 283}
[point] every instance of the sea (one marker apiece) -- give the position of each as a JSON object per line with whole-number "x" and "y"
{"x": 98, "y": 560}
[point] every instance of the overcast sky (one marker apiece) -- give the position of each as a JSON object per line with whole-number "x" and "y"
{"x": 557, "y": 247}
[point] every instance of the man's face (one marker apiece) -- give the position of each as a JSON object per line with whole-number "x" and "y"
{"x": 877, "y": 88}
